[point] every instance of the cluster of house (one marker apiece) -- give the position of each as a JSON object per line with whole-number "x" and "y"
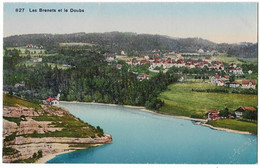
{"x": 168, "y": 59}
{"x": 171, "y": 59}
{"x": 167, "y": 62}
{"x": 139, "y": 77}
{"x": 34, "y": 46}
{"x": 224, "y": 81}
{"x": 214, "y": 114}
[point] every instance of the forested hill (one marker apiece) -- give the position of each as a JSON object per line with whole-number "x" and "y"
{"x": 132, "y": 42}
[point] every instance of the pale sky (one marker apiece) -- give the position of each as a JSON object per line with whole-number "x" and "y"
{"x": 217, "y": 22}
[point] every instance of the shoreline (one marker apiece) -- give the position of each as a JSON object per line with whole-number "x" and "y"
{"x": 46, "y": 158}
{"x": 226, "y": 129}
{"x": 203, "y": 121}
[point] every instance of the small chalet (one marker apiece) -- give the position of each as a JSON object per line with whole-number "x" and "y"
{"x": 156, "y": 55}
{"x": 142, "y": 77}
{"x": 122, "y": 52}
{"x": 200, "y": 50}
{"x": 208, "y": 59}
{"x": 213, "y": 114}
{"x": 135, "y": 63}
{"x": 181, "y": 79}
{"x": 248, "y": 84}
{"x": 22, "y": 84}
{"x": 240, "y": 110}
{"x": 221, "y": 83}
{"x": 235, "y": 70}
{"x": 110, "y": 58}
{"x": 215, "y": 79}
{"x": 225, "y": 78}
{"x": 118, "y": 66}
{"x": 234, "y": 84}
{"x": 129, "y": 62}
{"x": 52, "y": 101}
{"x": 143, "y": 62}
{"x": 171, "y": 52}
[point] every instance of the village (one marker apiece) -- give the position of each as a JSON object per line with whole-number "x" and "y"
{"x": 157, "y": 61}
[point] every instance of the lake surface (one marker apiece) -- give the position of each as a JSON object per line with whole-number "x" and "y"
{"x": 142, "y": 137}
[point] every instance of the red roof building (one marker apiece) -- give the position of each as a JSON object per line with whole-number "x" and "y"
{"x": 50, "y": 99}
{"x": 213, "y": 114}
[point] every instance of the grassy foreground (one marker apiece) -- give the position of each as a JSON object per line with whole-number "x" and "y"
{"x": 235, "y": 125}
{"x": 180, "y": 100}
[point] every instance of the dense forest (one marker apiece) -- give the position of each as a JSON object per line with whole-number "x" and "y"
{"x": 133, "y": 43}
{"x": 89, "y": 79}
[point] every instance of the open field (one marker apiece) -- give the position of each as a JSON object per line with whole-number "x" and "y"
{"x": 250, "y": 60}
{"x": 32, "y": 50}
{"x": 223, "y": 58}
{"x": 180, "y": 100}
{"x": 235, "y": 125}
{"x": 31, "y": 63}
{"x": 75, "y": 44}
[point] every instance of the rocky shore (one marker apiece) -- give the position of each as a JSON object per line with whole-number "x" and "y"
{"x": 25, "y": 140}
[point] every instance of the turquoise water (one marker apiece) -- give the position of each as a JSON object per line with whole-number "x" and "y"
{"x": 141, "y": 137}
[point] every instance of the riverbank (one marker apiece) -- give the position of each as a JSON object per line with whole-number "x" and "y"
{"x": 198, "y": 121}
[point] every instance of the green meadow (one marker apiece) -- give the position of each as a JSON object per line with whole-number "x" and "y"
{"x": 179, "y": 99}
{"x": 235, "y": 125}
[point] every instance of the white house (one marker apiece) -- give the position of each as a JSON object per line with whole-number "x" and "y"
{"x": 234, "y": 84}
{"x": 215, "y": 79}
{"x": 181, "y": 79}
{"x": 22, "y": 84}
{"x": 200, "y": 50}
{"x": 110, "y": 58}
{"x": 221, "y": 83}
{"x": 235, "y": 70}
{"x": 122, "y": 52}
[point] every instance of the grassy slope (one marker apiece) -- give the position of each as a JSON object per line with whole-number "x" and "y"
{"x": 14, "y": 101}
{"x": 235, "y": 125}
{"x": 180, "y": 100}
{"x": 223, "y": 58}
{"x": 71, "y": 126}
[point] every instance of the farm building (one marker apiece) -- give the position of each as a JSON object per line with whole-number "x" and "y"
{"x": 240, "y": 110}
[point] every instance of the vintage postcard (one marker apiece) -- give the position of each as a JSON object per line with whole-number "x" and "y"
{"x": 130, "y": 82}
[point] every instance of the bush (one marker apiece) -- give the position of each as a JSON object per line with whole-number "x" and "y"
{"x": 9, "y": 151}
{"x": 10, "y": 137}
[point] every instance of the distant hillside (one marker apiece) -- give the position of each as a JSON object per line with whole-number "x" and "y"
{"x": 131, "y": 42}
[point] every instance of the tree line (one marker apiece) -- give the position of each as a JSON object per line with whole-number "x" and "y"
{"x": 90, "y": 79}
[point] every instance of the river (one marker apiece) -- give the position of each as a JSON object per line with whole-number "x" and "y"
{"x": 143, "y": 137}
